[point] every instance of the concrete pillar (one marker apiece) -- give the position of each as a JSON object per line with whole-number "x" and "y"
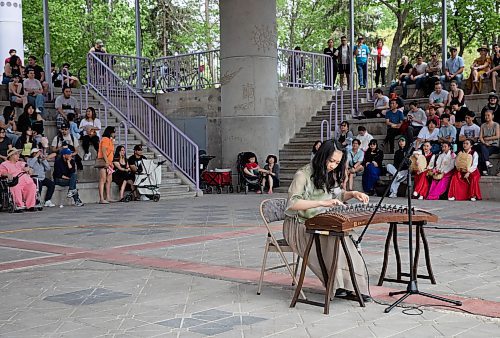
{"x": 249, "y": 91}
{"x": 11, "y": 29}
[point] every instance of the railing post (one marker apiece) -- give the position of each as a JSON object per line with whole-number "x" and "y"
{"x": 172, "y": 147}
{"x": 198, "y": 72}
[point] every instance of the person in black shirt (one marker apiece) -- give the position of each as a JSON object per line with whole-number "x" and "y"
{"x": 492, "y": 105}
{"x": 372, "y": 164}
{"x": 135, "y": 161}
{"x": 330, "y": 74}
{"x": 404, "y": 71}
{"x": 401, "y": 175}
{"x": 65, "y": 174}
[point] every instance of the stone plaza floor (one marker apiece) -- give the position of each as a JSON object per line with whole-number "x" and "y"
{"x": 189, "y": 268}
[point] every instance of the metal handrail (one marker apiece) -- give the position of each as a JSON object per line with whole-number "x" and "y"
{"x": 139, "y": 114}
{"x": 327, "y": 128}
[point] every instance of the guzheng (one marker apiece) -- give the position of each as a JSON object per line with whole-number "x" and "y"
{"x": 344, "y": 218}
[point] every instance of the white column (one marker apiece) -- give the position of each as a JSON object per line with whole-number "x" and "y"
{"x": 11, "y": 29}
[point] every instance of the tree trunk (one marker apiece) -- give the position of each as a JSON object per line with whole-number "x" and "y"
{"x": 396, "y": 48}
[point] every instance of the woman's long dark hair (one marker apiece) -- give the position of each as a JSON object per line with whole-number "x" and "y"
{"x": 108, "y": 131}
{"x": 314, "y": 150}
{"x": 25, "y": 111}
{"x": 7, "y": 112}
{"x": 117, "y": 152}
{"x": 323, "y": 179}
{"x": 25, "y": 138}
{"x": 94, "y": 116}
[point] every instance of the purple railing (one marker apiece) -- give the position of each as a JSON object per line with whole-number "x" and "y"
{"x": 140, "y": 115}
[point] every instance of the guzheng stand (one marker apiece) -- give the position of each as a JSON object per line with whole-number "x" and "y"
{"x": 315, "y": 237}
{"x": 420, "y": 235}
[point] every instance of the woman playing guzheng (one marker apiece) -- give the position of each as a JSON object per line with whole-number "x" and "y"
{"x": 316, "y": 188}
{"x": 465, "y": 182}
{"x": 421, "y": 187}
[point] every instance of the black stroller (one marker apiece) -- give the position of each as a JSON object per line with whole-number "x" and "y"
{"x": 246, "y": 183}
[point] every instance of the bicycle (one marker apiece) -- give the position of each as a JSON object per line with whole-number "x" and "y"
{"x": 170, "y": 80}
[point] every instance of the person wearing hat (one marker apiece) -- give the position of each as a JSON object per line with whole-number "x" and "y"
{"x": 401, "y": 172}
{"x": 64, "y": 139}
{"x": 39, "y": 164}
{"x": 493, "y": 106}
{"x": 494, "y": 70}
{"x": 98, "y": 47}
{"x": 361, "y": 52}
{"x": 454, "y": 68}
{"x": 135, "y": 160}
{"x": 479, "y": 67}
{"x": 24, "y": 192}
{"x": 65, "y": 174}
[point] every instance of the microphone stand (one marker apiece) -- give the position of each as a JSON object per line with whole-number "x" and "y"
{"x": 412, "y": 288}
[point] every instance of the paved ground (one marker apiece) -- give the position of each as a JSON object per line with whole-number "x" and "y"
{"x": 190, "y": 268}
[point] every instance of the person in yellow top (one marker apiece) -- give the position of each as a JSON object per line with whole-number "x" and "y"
{"x": 106, "y": 151}
{"x": 480, "y": 66}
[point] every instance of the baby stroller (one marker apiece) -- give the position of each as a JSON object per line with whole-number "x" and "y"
{"x": 246, "y": 183}
{"x": 147, "y": 182}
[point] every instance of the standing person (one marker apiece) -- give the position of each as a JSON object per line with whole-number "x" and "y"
{"x": 40, "y": 166}
{"x": 372, "y": 164}
{"x": 345, "y": 136}
{"x": 442, "y": 172}
{"x": 479, "y": 67}
{"x": 393, "y": 120}
{"x": 331, "y": 67}
{"x": 364, "y": 137}
{"x": 489, "y": 137}
{"x": 315, "y": 148}
{"x": 361, "y": 52}
{"x": 354, "y": 166}
{"x": 33, "y": 88}
{"x": 271, "y": 174}
{"x": 91, "y": 127}
{"x": 494, "y": 70}
{"x": 399, "y": 157}
{"x": 98, "y": 47}
{"x": 454, "y": 68}
{"x": 314, "y": 189}
{"x": 381, "y": 55}
{"x": 343, "y": 55}
{"x": 122, "y": 174}
{"x": 24, "y": 192}
{"x": 65, "y": 175}
{"x": 404, "y": 70}
{"x": 465, "y": 182}
{"x": 105, "y": 153}
{"x": 421, "y": 184}
{"x": 296, "y": 68}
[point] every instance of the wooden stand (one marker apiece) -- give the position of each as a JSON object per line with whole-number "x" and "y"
{"x": 339, "y": 237}
{"x": 393, "y": 233}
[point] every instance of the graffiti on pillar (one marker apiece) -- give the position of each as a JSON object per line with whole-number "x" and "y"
{"x": 228, "y": 76}
{"x": 247, "y": 97}
{"x": 264, "y": 37}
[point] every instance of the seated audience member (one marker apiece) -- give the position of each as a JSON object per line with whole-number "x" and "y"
{"x": 11, "y": 69}
{"x": 469, "y": 131}
{"x": 393, "y": 119}
{"x": 431, "y": 115}
{"x": 430, "y": 134}
{"x": 465, "y": 182}
{"x": 122, "y": 175}
{"x": 29, "y": 118}
{"x": 345, "y": 136}
{"x": 39, "y": 72}
{"x": 433, "y": 74}
{"x": 404, "y": 71}
{"x": 493, "y": 106}
{"x": 447, "y": 132}
{"x": 252, "y": 170}
{"x": 16, "y": 91}
{"x": 65, "y": 175}
{"x": 372, "y": 165}
{"x": 24, "y": 192}
{"x": 354, "y": 166}
{"x": 417, "y": 120}
{"x": 421, "y": 181}
{"x": 438, "y": 98}
{"x": 12, "y": 52}
{"x": 8, "y": 122}
{"x": 64, "y": 139}
{"x": 73, "y": 127}
{"x": 40, "y": 166}
{"x": 67, "y": 79}
{"x": 271, "y": 174}
{"x": 418, "y": 74}
{"x": 380, "y": 105}
{"x": 135, "y": 161}
{"x": 480, "y": 66}
{"x": 494, "y": 70}
{"x": 399, "y": 157}
{"x": 91, "y": 127}
{"x": 5, "y": 145}
{"x": 442, "y": 172}
{"x": 454, "y": 68}
{"x": 455, "y": 94}
{"x": 489, "y": 136}
{"x": 54, "y": 74}
{"x": 315, "y": 148}
{"x": 34, "y": 90}
{"x": 64, "y": 105}
{"x": 364, "y": 137}
{"x": 25, "y": 143}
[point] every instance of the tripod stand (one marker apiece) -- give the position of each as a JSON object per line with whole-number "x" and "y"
{"x": 412, "y": 288}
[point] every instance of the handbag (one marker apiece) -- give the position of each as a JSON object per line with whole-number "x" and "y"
{"x": 100, "y": 163}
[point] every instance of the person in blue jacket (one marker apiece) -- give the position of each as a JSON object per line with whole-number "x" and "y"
{"x": 361, "y": 52}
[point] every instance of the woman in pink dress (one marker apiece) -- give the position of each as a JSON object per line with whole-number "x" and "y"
{"x": 445, "y": 165}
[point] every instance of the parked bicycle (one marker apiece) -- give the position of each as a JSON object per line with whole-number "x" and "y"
{"x": 169, "y": 79}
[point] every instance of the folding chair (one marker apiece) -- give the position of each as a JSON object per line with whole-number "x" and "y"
{"x": 273, "y": 210}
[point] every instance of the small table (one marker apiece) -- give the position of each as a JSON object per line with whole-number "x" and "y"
{"x": 314, "y": 237}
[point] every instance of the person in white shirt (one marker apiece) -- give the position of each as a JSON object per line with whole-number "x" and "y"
{"x": 442, "y": 172}
{"x": 469, "y": 131}
{"x": 438, "y": 98}
{"x": 429, "y": 133}
{"x": 417, "y": 118}
{"x": 381, "y": 56}
{"x": 364, "y": 137}
{"x": 418, "y": 75}
{"x": 34, "y": 90}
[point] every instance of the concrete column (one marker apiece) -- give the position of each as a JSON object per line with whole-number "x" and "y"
{"x": 249, "y": 92}
{"x": 11, "y": 29}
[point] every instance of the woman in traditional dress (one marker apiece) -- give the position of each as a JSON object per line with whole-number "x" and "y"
{"x": 372, "y": 164}
{"x": 314, "y": 189}
{"x": 421, "y": 187}
{"x": 442, "y": 172}
{"x": 465, "y": 182}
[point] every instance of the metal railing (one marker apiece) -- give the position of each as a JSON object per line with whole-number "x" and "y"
{"x": 139, "y": 114}
{"x": 200, "y": 70}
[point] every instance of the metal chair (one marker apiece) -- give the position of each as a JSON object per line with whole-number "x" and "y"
{"x": 273, "y": 210}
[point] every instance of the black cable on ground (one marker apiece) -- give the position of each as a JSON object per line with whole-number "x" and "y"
{"x": 457, "y": 228}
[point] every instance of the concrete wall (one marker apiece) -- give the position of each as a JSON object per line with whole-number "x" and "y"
{"x": 296, "y": 107}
